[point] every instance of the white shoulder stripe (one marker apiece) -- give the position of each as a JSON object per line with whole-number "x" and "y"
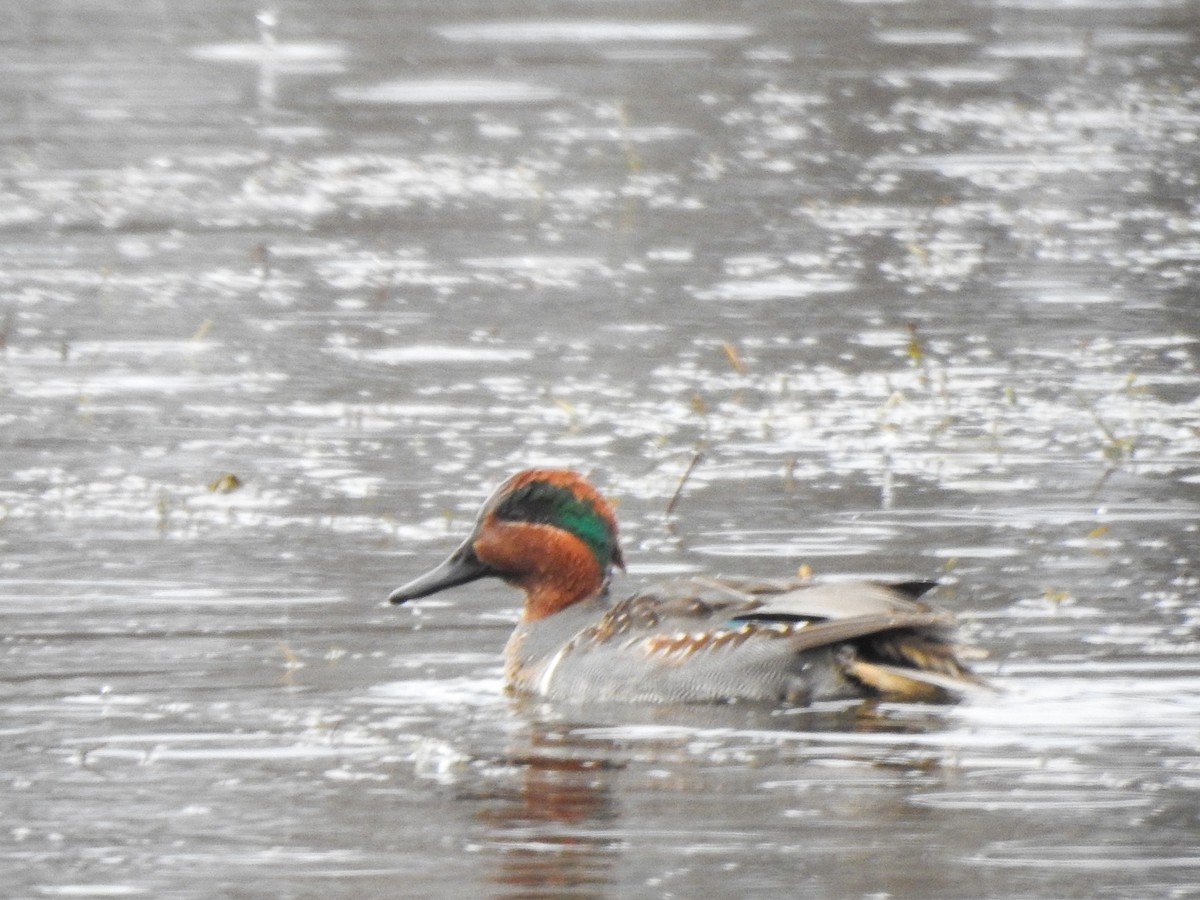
{"x": 543, "y": 683}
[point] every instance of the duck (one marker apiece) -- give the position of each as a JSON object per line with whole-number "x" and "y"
{"x": 701, "y": 639}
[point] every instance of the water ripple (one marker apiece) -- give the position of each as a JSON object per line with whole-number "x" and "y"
{"x": 541, "y": 31}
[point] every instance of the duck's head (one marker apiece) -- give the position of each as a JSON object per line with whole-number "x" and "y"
{"x": 546, "y": 531}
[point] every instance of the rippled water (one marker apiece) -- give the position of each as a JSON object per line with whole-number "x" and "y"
{"x": 284, "y": 292}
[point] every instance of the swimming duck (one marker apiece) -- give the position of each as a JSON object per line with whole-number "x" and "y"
{"x": 550, "y": 533}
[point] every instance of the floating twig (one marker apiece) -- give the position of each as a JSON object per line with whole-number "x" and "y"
{"x": 687, "y": 473}
{"x": 734, "y": 358}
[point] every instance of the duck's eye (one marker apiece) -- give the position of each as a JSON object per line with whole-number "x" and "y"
{"x": 542, "y": 503}
{"x": 538, "y": 502}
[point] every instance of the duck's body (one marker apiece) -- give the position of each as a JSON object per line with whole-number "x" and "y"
{"x": 690, "y": 641}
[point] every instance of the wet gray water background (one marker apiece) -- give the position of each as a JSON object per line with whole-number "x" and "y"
{"x": 919, "y": 279}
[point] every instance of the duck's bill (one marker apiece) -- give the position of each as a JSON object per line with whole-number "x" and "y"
{"x": 462, "y": 566}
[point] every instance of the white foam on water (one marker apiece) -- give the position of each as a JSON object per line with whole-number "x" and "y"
{"x": 446, "y": 91}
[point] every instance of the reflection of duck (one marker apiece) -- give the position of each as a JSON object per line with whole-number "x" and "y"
{"x": 550, "y": 533}
{"x": 552, "y": 833}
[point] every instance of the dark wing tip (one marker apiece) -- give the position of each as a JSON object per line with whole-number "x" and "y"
{"x": 913, "y": 590}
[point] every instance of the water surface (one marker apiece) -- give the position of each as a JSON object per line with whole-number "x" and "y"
{"x": 918, "y": 279}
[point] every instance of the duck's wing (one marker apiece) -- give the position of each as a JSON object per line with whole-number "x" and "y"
{"x": 816, "y": 634}
{"x": 845, "y": 600}
{"x": 745, "y": 600}
{"x": 887, "y": 640}
{"x": 883, "y": 637}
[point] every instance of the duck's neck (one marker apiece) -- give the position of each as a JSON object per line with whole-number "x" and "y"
{"x": 552, "y": 593}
